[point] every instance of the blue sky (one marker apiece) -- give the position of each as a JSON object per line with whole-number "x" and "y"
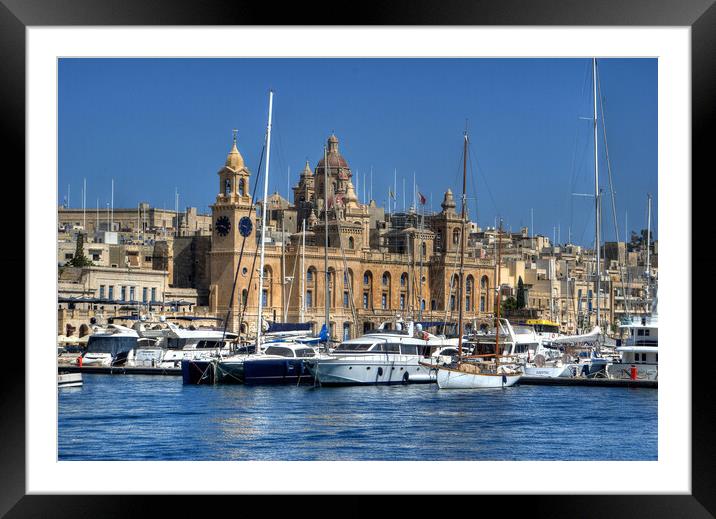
{"x": 159, "y": 124}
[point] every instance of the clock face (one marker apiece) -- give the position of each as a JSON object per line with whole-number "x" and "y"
{"x": 223, "y": 225}
{"x": 245, "y": 226}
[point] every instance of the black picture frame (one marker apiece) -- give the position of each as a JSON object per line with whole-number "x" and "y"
{"x": 16, "y": 15}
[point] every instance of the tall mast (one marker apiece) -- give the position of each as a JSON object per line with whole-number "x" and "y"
{"x": 499, "y": 295}
{"x": 648, "y": 252}
{"x": 283, "y": 272}
{"x": 264, "y": 207}
{"x": 303, "y": 271}
{"x": 325, "y": 249}
{"x": 596, "y": 189}
{"x": 462, "y": 248}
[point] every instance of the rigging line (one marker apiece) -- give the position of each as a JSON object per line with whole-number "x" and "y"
{"x": 253, "y": 263}
{"x": 611, "y": 189}
{"x": 283, "y": 164}
{"x": 473, "y": 183}
{"x": 241, "y": 254}
{"x": 480, "y": 171}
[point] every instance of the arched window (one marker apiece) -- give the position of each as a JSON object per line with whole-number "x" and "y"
{"x": 311, "y": 275}
{"x": 456, "y": 237}
{"x": 424, "y": 249}
{"x": 244, "y": 296}
{"x": 351, "y": 243}
{"x": 484, "y": 283}
{"x": 227, "y": 187}
{"x": 386, "y": 279}
{"x": 242, "y": 187}
{"x": 404, "y": 280}
{"x": 348, "y": 278}
{"x": 469, "y": 284}
{"x": 367, "y": 278}
{"x": 331, "y": 280}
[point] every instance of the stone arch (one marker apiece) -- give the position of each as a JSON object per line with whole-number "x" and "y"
{"x": 385, "y": 297}
{"x": 469, "y": 293}
{"x": 331, "y": 279}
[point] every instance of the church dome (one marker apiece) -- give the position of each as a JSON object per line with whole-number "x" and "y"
{"x": 335, "y": 159}
{"x": 448, "y": 204}
{"x": 234, "y": 160}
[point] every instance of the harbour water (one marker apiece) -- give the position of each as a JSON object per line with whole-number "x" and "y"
{"x": 137, "y": 417}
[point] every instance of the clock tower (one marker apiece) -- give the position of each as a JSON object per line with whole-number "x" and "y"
{"x": 233, "y": 225}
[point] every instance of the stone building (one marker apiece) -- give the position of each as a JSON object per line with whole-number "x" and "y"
{"x": 375, "y": 270}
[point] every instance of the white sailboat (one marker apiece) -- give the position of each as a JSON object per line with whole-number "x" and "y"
{"x": 476, "y": 372}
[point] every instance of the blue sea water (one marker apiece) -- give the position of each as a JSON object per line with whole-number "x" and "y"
{"x": 134, "y": 417}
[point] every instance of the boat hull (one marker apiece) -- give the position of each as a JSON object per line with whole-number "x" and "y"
{"x": 69, "y": 380}
{"x": 549, "y": 371}
{"x": 230, "y": 372}
{"x": 195, "y": 372}
{"x": 276, "y": 371}
{"x": 453, "y": 379}
{"x": 357, "y": 371}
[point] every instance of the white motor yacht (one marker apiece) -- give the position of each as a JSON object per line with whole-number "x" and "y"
{"x": 166, "y": 346}
{"x": 111, "y": 346}
{"x": 639, "y": 350}
{"x": 395, "y": 353}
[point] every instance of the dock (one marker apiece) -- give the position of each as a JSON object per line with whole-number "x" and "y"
{"x": 584, "y": 381}
{"x": 120, "y": 370}
{"x": 525, "y": 380}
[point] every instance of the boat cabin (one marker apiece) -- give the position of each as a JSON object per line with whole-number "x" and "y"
{"x": 290, "y": 351}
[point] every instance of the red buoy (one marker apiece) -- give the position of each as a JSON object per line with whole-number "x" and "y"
{"x": 633, "y": 373}
{"x": 79, "y": 361}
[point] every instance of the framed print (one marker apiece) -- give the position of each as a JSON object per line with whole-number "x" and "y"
{"x": 144, "y": 101}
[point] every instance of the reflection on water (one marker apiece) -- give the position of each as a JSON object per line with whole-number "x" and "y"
{"x": 157, "y": 418}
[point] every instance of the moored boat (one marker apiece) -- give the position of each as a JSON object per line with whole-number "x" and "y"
{"x": 69, "y": 380}
{"x": 403, "y": 354}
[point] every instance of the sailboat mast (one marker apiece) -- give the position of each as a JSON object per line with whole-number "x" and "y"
{"x": 499, "y": 295}
{"x": 303, "y": 270}
{"x": 264, "y": 208}
{"x": 325, "y": 249}
{"x": 284, "y": 308}
{"x": 648, "y": 252}
{"x": 462, "y": 249}
{"x": 596, "y": 190}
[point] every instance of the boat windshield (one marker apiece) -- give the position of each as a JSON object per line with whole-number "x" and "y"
{"x": 209, "y": 344}
{"x": 110, "y": 344}
{"x": 279, "y": 351}
{"x": 546, "y": 328}
{"x": 305, "y": 352}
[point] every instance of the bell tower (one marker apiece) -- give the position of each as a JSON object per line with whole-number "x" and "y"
{"x": 233, "y": 218}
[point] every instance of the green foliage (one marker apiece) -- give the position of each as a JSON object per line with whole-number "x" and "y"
{"x": 79, "y": 259}
{"x": 521, "y": 303}
{"x": 509, "y": 304}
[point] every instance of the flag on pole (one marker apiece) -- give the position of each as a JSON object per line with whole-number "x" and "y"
{"x": 422, "y": 199}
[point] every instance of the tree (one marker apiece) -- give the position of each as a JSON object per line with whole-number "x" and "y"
{"x": 79, "y": 259}
{"x": 509, "y": 304}
{"x": 520, "y": 293}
